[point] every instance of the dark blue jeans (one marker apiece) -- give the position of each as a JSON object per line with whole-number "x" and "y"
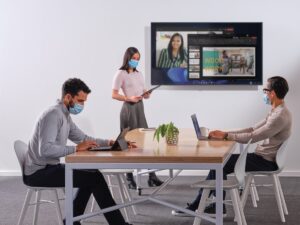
{"x": 254, "y": 162}
{"x": 87, "y": 181}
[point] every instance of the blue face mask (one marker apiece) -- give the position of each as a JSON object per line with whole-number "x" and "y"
{"x": 76, "y": 109}
{"x": 267, "y": 100}
{"x": 132, "y": 63}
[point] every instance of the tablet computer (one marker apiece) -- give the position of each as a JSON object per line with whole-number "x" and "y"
{"x": 150, "y": 90}
{"x": 119, "y": 144}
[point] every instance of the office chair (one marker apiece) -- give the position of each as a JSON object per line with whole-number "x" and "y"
{"x": 230, "y": 185}
{"x": 280, "y": 160}
{"x": 21, "y": 149}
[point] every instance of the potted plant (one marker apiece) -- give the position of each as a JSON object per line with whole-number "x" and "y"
{"x": 169, "y": 130}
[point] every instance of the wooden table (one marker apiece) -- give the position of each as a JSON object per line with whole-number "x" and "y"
{"x": 189, "y": 154}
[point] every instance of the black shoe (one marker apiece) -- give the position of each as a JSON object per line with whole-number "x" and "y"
{"x": 130, "y": 181}
{"x": 153, "y": 180}
{"x": 131, "y": 184}
{"x": 210, "y": 210}
{"x": 183, "y": 214}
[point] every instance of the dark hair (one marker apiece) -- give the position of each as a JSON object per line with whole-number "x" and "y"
{"x": 181, "y": 50}
{"x": 127, "y": 56}
{"x": 279, "y": 85}
{"x": 74, "y": 85}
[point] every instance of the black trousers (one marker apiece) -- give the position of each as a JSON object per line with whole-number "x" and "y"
{"x": 254, "y": 162}
{"x": 87, "y": 181}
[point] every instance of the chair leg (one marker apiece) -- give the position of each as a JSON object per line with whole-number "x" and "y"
{"x": 241, "y": 209}
{"x": 201, "y": 206}
{"x": 110, "y": 186}
{"x": 122, "y": 195}
{"x": 246, "y": 189}
{"x": 57, "y": 207}
{"x": 37, "y": 207}
{"x": 236, "y": 207}
{"x": 285, "y": 210}
{"x": 253, "y": 192}
{"x": 93, "y": 204}
{"x": 138, "y": 180}
{"x": 25, "y": 206}
{"x": 278, "y": 199}
{"x": 127, "y": 192}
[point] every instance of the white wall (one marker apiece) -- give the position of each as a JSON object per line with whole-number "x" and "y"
{"x": 42, "y": 43}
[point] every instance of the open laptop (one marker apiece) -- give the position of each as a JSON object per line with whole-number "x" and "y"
{"x": 119, "y": 144}
{"x": 199, "y": 134}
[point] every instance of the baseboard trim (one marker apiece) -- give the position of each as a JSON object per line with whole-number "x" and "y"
{"x": 13, "y": 173}
{"x": 10, "y": 173}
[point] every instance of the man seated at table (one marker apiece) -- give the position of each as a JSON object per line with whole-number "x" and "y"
{"x": 273, "y": 131}
{"x": 48, "y": 145}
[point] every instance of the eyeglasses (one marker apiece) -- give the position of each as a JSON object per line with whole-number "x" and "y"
{"x": 265, "y": 90}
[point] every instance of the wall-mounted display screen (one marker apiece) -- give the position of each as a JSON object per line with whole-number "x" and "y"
{"x": 206, "y": 53}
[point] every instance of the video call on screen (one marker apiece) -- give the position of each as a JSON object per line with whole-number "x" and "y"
{"x": 206, "y": 53}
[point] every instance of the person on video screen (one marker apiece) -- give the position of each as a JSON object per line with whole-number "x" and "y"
{"x": 225, "y": 62}
{"x": 175, "y": 55}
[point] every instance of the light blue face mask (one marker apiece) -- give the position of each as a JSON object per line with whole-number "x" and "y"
{"x": 266, "y": 99}
{"x": 76, "y": 109}
{"x": 132, "y": 63}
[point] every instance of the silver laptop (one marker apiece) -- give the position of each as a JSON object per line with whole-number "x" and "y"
{"x": 199, "y": 134}
{"x": 119, "y": 144}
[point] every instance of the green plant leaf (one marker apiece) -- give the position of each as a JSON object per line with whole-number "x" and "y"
{"x": 169, "y": 130}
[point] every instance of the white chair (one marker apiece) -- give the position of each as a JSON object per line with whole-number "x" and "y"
{"x": 121, "y": 185}
{"x": 251, "y": 186}
{"x": 229, "y": 185}
{"x": 21, "y": 149}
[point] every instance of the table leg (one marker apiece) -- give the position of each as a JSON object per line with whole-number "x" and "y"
{"x": 69, "y": 195}
{"x": 219, "y": 195}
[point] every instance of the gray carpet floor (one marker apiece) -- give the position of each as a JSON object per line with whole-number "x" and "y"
{"x": 12, "y": 194}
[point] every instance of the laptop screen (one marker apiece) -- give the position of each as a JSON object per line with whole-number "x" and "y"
{"x": 196, "y": 125}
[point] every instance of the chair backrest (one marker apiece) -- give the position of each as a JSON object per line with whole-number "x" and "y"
{"x": 281, "y": 155}
{"x": 21, "y": 149}
{"x": 240, "y": 166}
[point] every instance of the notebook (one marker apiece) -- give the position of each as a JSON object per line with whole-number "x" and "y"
{"x": 119, "y": 144}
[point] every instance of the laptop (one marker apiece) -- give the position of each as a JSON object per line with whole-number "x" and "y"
{"x": 199, "y": 133}
{"x": 119, "y": 144}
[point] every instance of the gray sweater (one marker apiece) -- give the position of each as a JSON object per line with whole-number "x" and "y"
{"x": 273, "y": 131}
{"x": 50, "y": 136}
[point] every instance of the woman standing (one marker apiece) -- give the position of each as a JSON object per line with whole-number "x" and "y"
{"x": 132, "y": 115}
{"x": 175, "y": 55}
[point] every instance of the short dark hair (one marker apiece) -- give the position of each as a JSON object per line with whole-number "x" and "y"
{"x": 279, "y": 85}
{"x": 74, "y": 85}
{"x": 127, "y": 56}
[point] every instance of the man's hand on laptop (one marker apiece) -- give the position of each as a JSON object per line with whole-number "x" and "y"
{"x": 131, "y": 144}
{"x": 111, "y": 142}
{"x": 86, "y": 145}
{"x": 217, "y": 134}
